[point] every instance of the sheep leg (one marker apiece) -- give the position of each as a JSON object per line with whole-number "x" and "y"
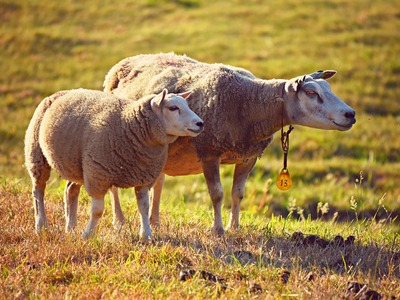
{"x": 211, "y": 173}
{"x": 155, "y": 195}
{"x": 40, "y": 173}
{"x": 71, "y": 194}
{"x": 96, "y": 213}
{"x": 239, "y": 180}
{"x": 38, "y": 204}
{"x": 118, "y": 215}
{"x": 142, "y": 197}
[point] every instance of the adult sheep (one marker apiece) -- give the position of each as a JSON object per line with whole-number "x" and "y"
{"x": 241, "y": 111}
{"x": 98, "y": 140}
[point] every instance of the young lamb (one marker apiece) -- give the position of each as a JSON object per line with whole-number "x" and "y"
{"x": 98, "y": 140}
{"x": 242, "y": 113}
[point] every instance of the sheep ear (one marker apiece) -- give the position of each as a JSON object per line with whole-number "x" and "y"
{"x": 323, "y": 74}
{"x": 293, "y": 85}
{"x": 160, "y": 97}
{"x": 185, "y": 95}
{"x": 163, "y": 94}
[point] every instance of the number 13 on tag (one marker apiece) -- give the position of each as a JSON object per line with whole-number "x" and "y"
{"x": 284, "y": 182}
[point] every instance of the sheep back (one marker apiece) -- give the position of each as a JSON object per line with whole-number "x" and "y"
{"x": 219, "y": 94}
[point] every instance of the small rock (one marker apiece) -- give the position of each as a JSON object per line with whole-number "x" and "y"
{"x": 338, "y": 241}
{"x": 255, "y": 289}
{"x": 359, "y": 291}
{"x": 285, "y": 276}
{"x": 396, "y": 256}
{"x": 244, "y": 257}
{"x": 297, "y": 237}
{"x": 211, "y": 277}
{"x": 311, "y": 276}
{"x": 186, "y": 274}
{"x": 239, "y": 276}
{"x": 369, "y": 295}
{"x": 310, "y": 240}
{"x": 31, "y": 266}
{"x": 214, "y": 279}
{"x": 322, "y": 243}
{"x": 354, "y": 287}
{"x": 350, "y": 240}
{"x": 208, "y": 276}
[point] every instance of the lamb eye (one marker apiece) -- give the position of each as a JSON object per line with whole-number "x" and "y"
{"x": 173, "y": 108}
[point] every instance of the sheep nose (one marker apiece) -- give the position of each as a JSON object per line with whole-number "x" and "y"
{"x": 350, "y": 114}
{"x": 200, "y": 124}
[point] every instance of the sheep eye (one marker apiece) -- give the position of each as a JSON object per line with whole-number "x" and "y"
{"x": 173, "y": 108}
{"x": 310, "y": 93}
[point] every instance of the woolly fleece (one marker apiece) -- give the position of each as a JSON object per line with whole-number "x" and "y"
{"x": 223, "y": 96}
{"x": 124, "y": 145}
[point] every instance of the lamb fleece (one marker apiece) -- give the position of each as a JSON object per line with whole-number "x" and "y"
{"x": 124, "y": 145}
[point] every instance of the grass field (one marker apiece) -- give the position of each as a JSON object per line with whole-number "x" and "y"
{"x": 344, "y": 183}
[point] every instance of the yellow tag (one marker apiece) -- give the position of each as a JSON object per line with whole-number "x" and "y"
{"x": 284, "y": 182}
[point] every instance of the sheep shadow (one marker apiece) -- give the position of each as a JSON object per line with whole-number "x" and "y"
{"x": 309, "y": 253}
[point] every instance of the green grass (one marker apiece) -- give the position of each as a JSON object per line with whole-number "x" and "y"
{"x": 343, "y": 182}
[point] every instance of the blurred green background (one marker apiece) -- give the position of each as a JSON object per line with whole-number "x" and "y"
{"x": 46, "y": 46}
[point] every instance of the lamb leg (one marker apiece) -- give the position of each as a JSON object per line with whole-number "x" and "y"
{"x": 71, "y": 193}
{"x": 155, "y": 196}
{"x": 96, "y": 213}
{"x": 143, "y": 205}
{"x": 118, "y": 215}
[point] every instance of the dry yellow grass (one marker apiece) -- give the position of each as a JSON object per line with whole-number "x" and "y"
{"x": 263, "y": 259}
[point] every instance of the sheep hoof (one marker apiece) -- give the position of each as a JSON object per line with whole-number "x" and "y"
{"x": 118, "y": 224}
{"x": 145, "y": 234}
{"x": 40, "y": 225}
{"x": 146, "y": 238}
{"x": 155, "y": 223}
{"x": 219, "y": 232}
{"x": 70, "y": 227}
{"x": 86, "y": 235}
{"x": 232, "y": 227}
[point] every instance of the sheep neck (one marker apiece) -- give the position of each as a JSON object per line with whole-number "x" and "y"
{"x": 152, "y": 131}
{"x": 272, "y": 116}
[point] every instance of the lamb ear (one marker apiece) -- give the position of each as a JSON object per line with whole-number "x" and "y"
{"x": 185, "y": 95}
{"x": 323, "y": 74}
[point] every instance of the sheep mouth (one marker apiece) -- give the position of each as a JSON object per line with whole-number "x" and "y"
{"x": 344, "y": 126}
{"x": 195, "y": 130}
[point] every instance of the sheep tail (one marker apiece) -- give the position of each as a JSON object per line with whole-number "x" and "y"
{"x": 35, "y": 161}
{"x": 122, "y": 71}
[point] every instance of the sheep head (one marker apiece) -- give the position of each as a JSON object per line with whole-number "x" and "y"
{"x": 310, "y": 102}
{"x": 175, "y": 115}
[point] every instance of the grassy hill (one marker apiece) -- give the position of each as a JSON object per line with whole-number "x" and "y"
{"x": 349, "y": 179}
